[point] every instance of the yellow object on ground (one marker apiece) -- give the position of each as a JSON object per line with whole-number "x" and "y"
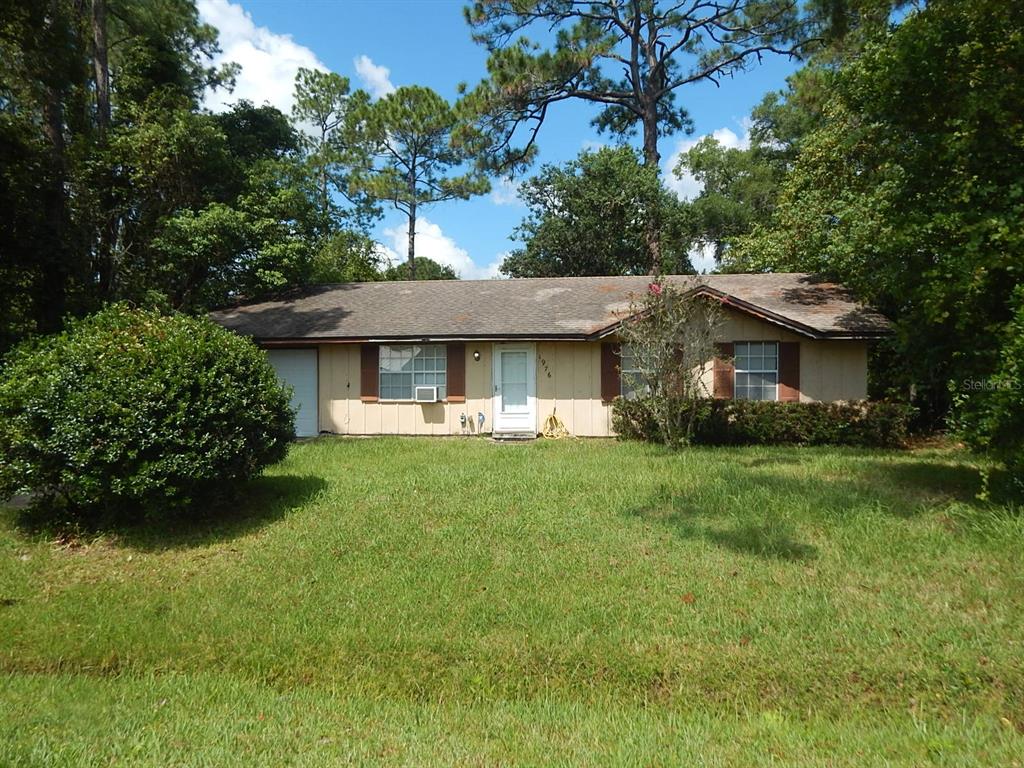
{"x": 554, "y": 428}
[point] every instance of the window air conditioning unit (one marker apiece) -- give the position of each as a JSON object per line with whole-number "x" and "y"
{"x": 426, "y": 395}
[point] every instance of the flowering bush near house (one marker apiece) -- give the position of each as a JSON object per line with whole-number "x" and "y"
{"x": 672, "y": 339}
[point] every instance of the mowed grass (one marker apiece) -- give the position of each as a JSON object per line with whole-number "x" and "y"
{"x": 458, "y": 602}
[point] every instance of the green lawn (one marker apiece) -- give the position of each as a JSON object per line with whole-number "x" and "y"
{"x": 458, "y": 602}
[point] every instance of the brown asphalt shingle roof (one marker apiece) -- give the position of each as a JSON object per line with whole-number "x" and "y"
{"x": 539, "y": 308}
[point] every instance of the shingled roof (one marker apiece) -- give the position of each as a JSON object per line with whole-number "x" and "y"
{"x": 536, "y": 308}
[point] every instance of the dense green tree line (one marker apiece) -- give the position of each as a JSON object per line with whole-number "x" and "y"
{"x": 92, "y": 100}
{"x": 591, "y": 217}
{"x": 909, "y": 187}
{"x": 907, "y": 184}
{"x": 116, "y": 184}
{"x": 631, "y": 59}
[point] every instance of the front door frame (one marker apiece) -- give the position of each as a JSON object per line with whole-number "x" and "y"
{"x": 515, "y": 423}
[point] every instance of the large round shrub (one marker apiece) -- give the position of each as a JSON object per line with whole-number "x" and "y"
{"x": 130, "y": 414}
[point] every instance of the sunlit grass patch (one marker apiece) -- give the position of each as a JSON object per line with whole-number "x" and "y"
{"x": 461, "y": 602}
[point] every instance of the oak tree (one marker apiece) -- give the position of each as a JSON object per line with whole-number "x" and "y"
{"x": 590, "y": 217}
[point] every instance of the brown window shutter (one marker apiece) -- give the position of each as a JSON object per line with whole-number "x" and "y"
{"x": 724, "y": 371}
{"x": 369, "y": 372}
{"x": 610, "y": 382}
{"x": 789, "y": 371}
{"x": 456, "y": 373}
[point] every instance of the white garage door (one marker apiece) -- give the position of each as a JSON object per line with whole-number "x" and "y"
{"x": 297, "y": 369}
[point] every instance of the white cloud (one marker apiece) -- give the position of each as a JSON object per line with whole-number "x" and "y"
{"x": 688, "y": 187}
{"x": 269, "y": 61}
{"x": 434, "y": 244}
{"x": 491, "y": 271}
{"x": 506, "y": 192}
{"x": 375, "y": 77}
{"x": 702, "y": 257}
{"x": 385, "y": 254}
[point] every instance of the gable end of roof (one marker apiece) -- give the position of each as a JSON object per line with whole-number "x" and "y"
{"x": 760, "y": 313}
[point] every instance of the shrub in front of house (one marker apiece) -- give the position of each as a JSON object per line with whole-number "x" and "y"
{"x": 633, "y": 419}
{"x": 130, "y": 414}
{"x": 880, "y": 424}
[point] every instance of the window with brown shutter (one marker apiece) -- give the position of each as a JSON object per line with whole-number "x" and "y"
{"x": 756, "y": 368}
{"x": 369, "y": 372}
{"x": 789, "y": 371}
{"x": 610, "y": 385}
{"x": 723, "y": 371}
{"x": 456, "y": 373}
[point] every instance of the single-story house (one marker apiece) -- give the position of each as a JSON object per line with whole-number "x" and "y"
{"x": 460, "y": 357}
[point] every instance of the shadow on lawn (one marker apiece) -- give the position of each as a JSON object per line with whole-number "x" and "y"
{"x": 890, "y": 477}
{"x": 771, "y": 539}
{"x": 259, "y": 503}
{"x": 746, "y": 505}
{"x": 955, "y": 481}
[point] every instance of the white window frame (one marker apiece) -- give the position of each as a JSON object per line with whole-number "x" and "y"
{"x": 639, "y": 388}
{"x": 439, "y": 352}
{"x": 763, "y": 370}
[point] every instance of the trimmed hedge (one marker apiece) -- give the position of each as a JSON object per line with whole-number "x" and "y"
{"x": 131, "y": 414}
{"x": 877, "y": 424}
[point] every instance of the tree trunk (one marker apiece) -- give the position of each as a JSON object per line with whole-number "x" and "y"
{"x": 101, "y": 67}
{"x": 652, "y": 229}
{"x": 325, "y": 196}
{"x": 108, "y": 230}
{"x": 51, "y": 299}
{"x": 412, "y": 240}
{"x": 412, "y": 224}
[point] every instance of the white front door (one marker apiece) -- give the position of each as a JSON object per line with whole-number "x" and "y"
{"x": 515, "y": 388}
{"x": 297, "y": 369}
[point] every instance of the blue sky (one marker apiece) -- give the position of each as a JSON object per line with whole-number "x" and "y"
{"x": 383, "y": 44}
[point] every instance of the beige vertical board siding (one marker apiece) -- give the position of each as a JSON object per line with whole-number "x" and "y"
{"x": 568, "y": 383}
{"x": 343, "y": 412}
{"x": 603, "y": 422}
{"x": 479, "y": 389}
{"x": 547, "y": 383}
{"x": 334, "y": 399}
{"x": 829, "y": 370}
{"x": 576, "y": 358}
{"x": 838, "y": 371}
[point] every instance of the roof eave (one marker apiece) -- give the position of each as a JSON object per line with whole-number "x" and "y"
{"x": 417, "y": 338}
{"x": 766, "y": 315}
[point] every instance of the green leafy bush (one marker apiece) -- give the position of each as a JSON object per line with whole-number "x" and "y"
{"x": 748, "y": 422}
{"x": 131, "y": 414}
{"x": 989, "y": 413}
{"x": 635, "y": 420}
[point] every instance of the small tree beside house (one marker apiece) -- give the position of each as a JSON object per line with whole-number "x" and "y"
{"x": 668, "y": 345}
